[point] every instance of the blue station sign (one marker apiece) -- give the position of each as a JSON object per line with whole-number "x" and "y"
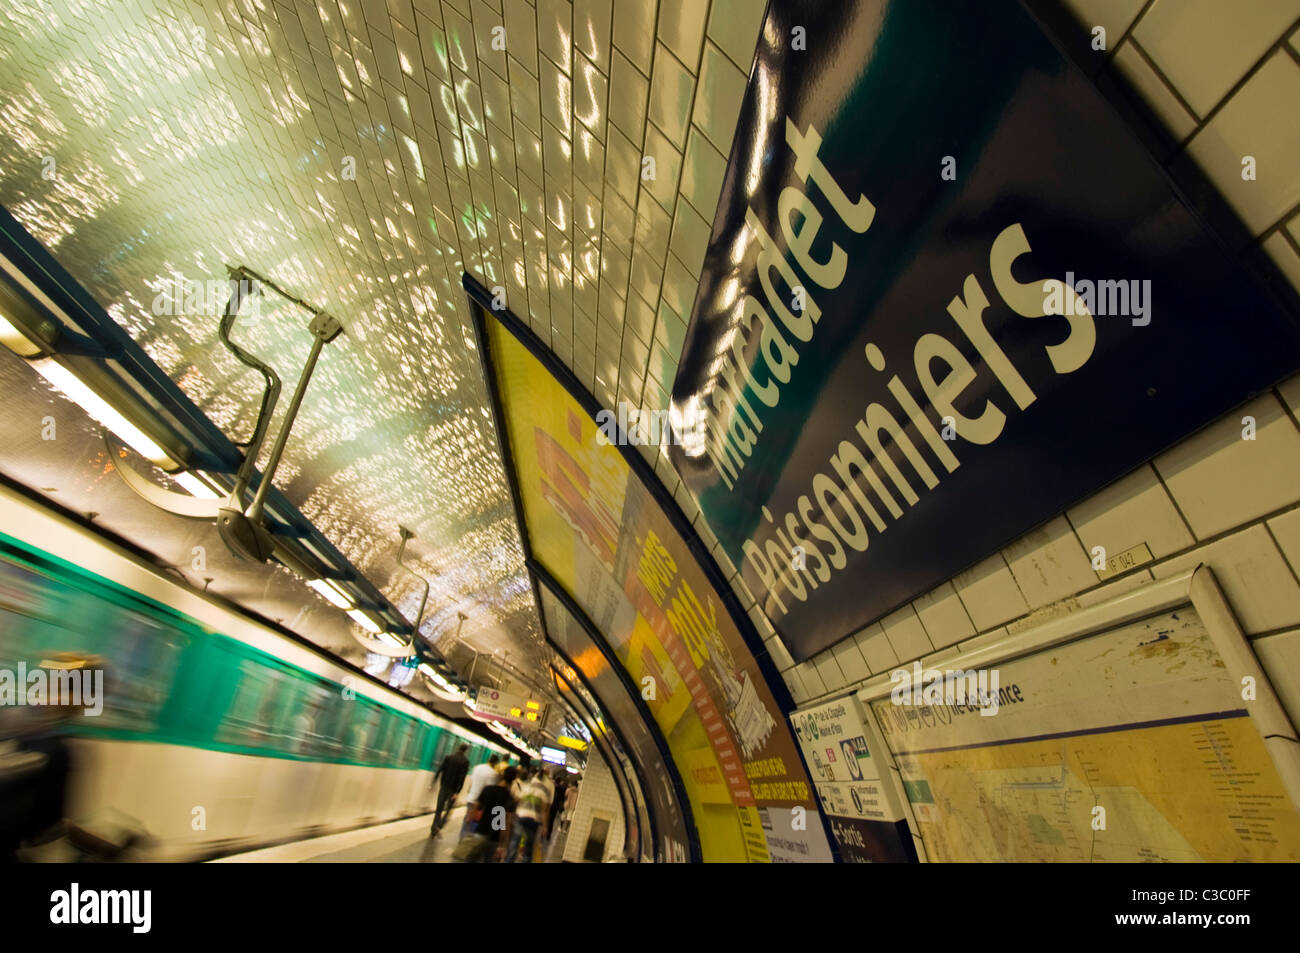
{"x": 948, "y": 294}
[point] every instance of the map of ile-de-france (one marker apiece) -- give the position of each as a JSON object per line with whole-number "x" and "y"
{"x": 1181, "y": 774}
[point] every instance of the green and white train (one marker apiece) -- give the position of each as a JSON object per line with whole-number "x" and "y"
{"x": 217, "y": 734}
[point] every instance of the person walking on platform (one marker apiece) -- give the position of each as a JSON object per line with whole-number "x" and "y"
{"x": 495, "y": 808}
{"x": 535, "y": 794}
{"x": 484, "y": 775}
{"x": 452, "y": 773}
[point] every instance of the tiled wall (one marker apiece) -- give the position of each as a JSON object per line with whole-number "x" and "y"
{"x": 1225, "y": 77}
{"x": 597, "y": 794}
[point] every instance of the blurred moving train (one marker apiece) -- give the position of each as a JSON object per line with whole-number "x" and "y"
{"x": 217, "y": 734}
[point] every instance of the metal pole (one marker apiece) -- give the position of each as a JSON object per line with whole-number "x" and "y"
{"x": 255, "y": 511}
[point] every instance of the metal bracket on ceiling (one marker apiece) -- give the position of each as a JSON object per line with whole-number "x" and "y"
{"x": 244, "y": 530}
{"x": 445, "y": 643}
{"x": 424, "y": 600}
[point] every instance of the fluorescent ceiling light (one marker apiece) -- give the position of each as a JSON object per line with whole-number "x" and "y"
{"x": 391, "y": 639}
{"x": 331, "y": 592}
{"x": 15, "y": 340}
{"x": 98, "y": 408}
{"x": 196, "y": 486}
{"x": 363, "y": 620}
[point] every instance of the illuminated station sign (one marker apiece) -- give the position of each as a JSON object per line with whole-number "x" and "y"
{"x": 507, "y": 708}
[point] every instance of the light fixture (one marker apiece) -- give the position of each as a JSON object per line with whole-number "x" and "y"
{"x": 331, "y": 592}
{"x": 196, "y": 485}
{"x": 76, "y": 390}
{"x": 363, "y": 620}
{"x": 391, "y": 639}
{"x": 15, "y": 340}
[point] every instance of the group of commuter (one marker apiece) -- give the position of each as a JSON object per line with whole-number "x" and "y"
{"x": 510, "y": 809}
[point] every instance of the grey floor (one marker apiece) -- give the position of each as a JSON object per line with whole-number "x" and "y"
{"x": 401, "y": 842}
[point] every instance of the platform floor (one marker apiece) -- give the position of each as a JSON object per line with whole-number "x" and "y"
{"x": 399, "y": 842}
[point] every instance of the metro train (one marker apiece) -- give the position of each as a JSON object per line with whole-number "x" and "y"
{"x": 217, "y": 734}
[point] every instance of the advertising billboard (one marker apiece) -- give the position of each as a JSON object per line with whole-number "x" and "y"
{"x": 595, "y": 529}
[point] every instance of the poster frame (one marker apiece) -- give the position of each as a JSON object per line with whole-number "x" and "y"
{"x": 1197, "y": 588}
{"x": 480, "y": 303}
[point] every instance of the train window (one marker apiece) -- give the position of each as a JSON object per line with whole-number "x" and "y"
{"x": 410, "y": 735}
{"x": 141, "y": 655}
{"x": 307, "y": 725}
{"x": 251, "y": 715}
{"x": 383, "y": 737}
{"x": 444, "y": 742}
{"x": 365, "y": 727}
{"x": 334, "y": 724}
{"x": 42, "y": 615}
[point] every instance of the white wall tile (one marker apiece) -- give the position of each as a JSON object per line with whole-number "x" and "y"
{"x": 1206, "y": 46}
{"x": 1049, "y": 563}
{"x": 1286, "y": 530}
{"x": 1261, "y": 120}
{"x": 1259, "y": 585}
{"x": 906, "y": 635}
{"x": 634, "y": 31}
{"x": 1134, "y": 66}
{"x": 1284, "y": 256}
{"x": 1115, "y": 15}
{"x": 734, "y": 26}
{"x": 850, "y": 660}
{"x": 671, "y": 89}
{"x": 1279, "y": 655}
{"x": 717, "y": 105}
{"x": 629, "y": 92}
{"x": 828, "y": 670}
{"x": 989, "y": 593}
{"x": 875, "y": 648}
{"x": 690, "y": 236}
{"x": 1290, "y": 391}
{"x": 943, "y": 616}
{"x": 1220, "y": 480}
{"x": 794, "y": 682}
{"x": 702, "y": 174}
{"x": 1134, "y": 509}
{"x": 779, "y": 653}
{"x": 591, "y": 30}
{"x": 681, "y": 28}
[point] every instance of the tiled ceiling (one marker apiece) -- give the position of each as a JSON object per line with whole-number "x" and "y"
{"x": 363, "y": 155}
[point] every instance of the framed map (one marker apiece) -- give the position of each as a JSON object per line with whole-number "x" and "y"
{"x": 1144, "y": 740}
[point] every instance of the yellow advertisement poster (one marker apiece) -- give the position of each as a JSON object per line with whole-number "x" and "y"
{"x": 600, "y": 534}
